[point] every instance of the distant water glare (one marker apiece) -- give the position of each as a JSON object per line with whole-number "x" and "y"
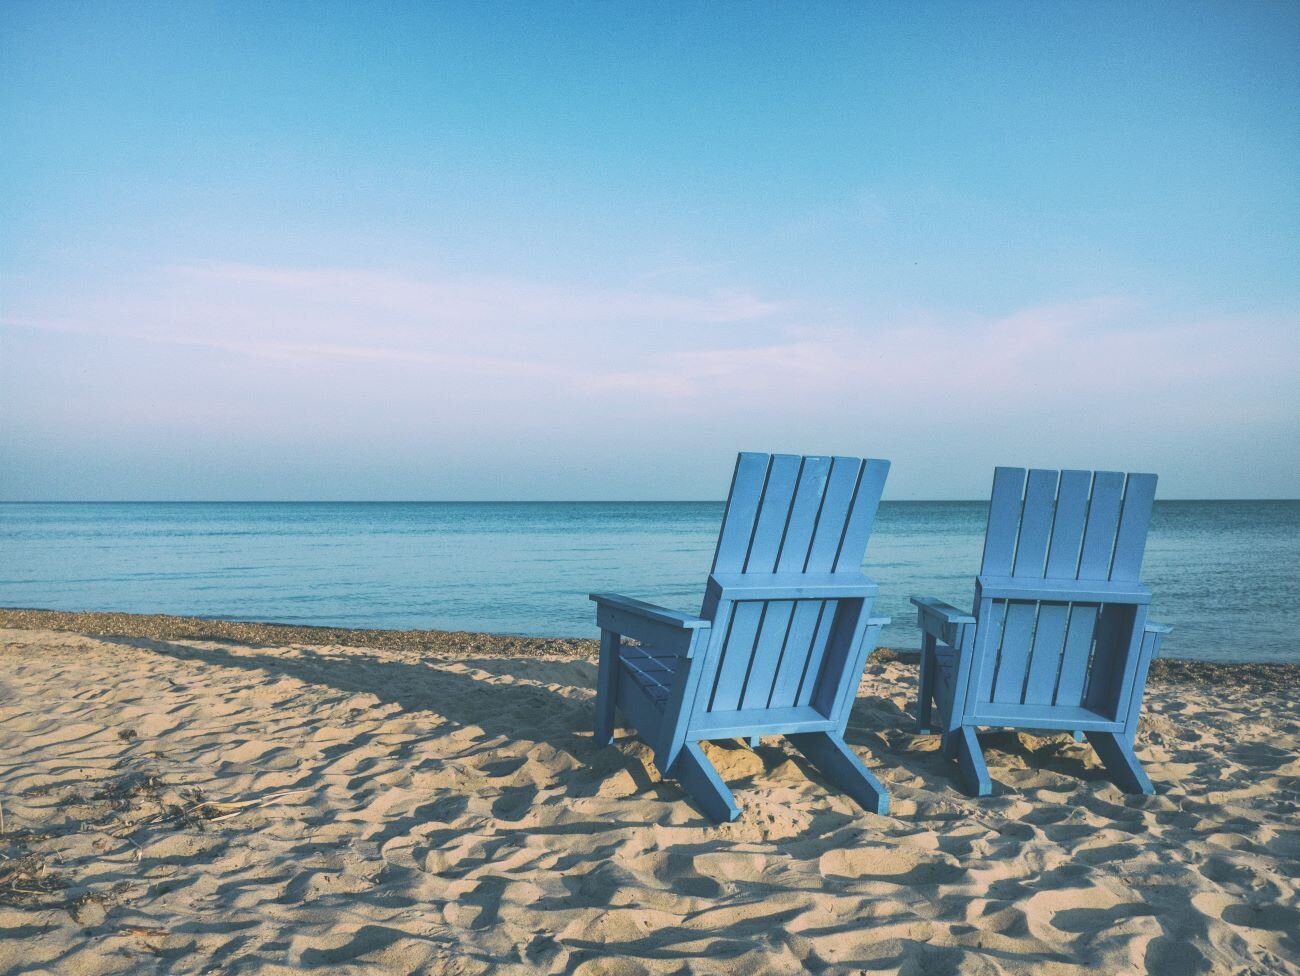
{"x": 1225, "y": 574}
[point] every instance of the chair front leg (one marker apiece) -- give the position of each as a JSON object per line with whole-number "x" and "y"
{"x": 970, "y": 760}
{"x": 1121, "y": 762}
{"x": 699, "y": 779}
{"x": 843, "y": 769}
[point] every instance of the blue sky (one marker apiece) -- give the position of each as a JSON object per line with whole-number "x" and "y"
{"x": 580, "y": 251}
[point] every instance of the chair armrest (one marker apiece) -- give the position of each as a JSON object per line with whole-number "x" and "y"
{"x": 657, "y": 627}
{"x": 640, "y": 608}
{"x": 939, "y": 619}
{"x": 1154, "y": 633}
{"x": 946, "y": 612}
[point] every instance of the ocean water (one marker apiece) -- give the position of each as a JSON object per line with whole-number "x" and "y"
{"x": 1226, "y": 574}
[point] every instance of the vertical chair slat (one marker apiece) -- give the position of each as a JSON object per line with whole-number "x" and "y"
{"x": 804, "y": 510}
{"x": 1076, "y": 655}
{"x": 812, "y": 669}
{"x": 767, "y": 654}
{"x": 1131, "y": 707}
{"x": 1135, "y": 519}
{"x": 742, "y": 510}
{"x": 862, "y": 516}
{"x": 973, "y": 666}
{"x": 1103, "y": 517}
{"x": 683, "y": 697}
{"x": 799, "y": 645}
{"x": 773, "y": 514}
{"x": 841, "y": 485}
{"x": 845, "y": 659}
{"x": 1035, "y": 524}
{"x": 990, "y": 633}
{"x": 737, "y": 651}
{"x": 1013, "y": 655}
{"x": 1067, "y": 529}
{"x": 1004, "y": 521}
{"x": 1045, "y": 658}
{"x": 709, "y": 665}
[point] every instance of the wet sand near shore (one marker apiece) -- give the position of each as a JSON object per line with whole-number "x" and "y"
{"x": 167, "y": 627}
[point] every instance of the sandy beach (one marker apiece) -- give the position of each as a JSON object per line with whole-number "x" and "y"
{"x": 198, "y": 797}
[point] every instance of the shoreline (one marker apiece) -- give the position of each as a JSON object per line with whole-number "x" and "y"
{"x": 163, "y": 626}
{"x": 159, "y": 626}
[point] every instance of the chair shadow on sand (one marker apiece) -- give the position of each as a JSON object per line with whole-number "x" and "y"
{"x": 878, "y": 728}
{"x": 453, "y": 699}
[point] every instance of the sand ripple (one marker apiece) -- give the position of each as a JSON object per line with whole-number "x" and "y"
{"x": 198, "y": 806}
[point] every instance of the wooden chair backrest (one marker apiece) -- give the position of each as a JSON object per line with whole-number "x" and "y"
{"x": 1083, "y": 534}
{"x": 792, "y": 516}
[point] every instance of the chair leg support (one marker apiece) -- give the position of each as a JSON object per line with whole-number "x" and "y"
{"x": 604, "y": 722}
{"x": 837, "y": 762}
{"x": 1125, "y": 770}
{"x": 970, "y": 759}
{"x": 948, "y": 744}
{"x": 606, "y": 688}
{"x": 925, "y": 693}
{"x": 698, "y": 778}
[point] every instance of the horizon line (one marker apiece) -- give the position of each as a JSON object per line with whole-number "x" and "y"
{"x": 500, "y": 501}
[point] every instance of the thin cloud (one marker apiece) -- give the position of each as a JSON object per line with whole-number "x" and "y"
{"x": 1089, "y": 357}
{"x": 487, "y": 300}
{"x": 653, "y": 348}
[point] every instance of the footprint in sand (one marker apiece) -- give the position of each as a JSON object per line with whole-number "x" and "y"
{"x": 377, "y": 943}
{"x": 1080, "y": 910}
{"x": 731, "y": 866}
{"x": 254, "y": 750}
{"x": 514, "y": 803}
{"x": 675, "y": 870}
{"x": 1275, "y": 918}
{"x": 1224, "y": 870}
{"x": 907, "y": 866}
{"x": 1107, "y": 854}
{"x": 503, "y": 767}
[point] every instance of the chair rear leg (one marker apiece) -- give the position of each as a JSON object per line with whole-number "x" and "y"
{"x": 606, "y": 688}
{"x": 950, "y": 743}
{"x": 1122, "y": 764}
{"x": 698, "y": 778}
{"x": 925, "y": 694}
{"x": 970, "y": 759}
{"x": 752, "y": 741}
{"x": 841, "y": 767}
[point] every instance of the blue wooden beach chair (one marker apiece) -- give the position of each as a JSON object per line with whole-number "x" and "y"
{"x": 1058, "y": 637}
{"x": 780, "y": 643}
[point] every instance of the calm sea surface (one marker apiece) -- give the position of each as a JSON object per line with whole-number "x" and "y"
{"x": 1225, "y": 574}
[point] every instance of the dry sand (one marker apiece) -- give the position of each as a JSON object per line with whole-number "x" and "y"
{"x": 289, "y": 799}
